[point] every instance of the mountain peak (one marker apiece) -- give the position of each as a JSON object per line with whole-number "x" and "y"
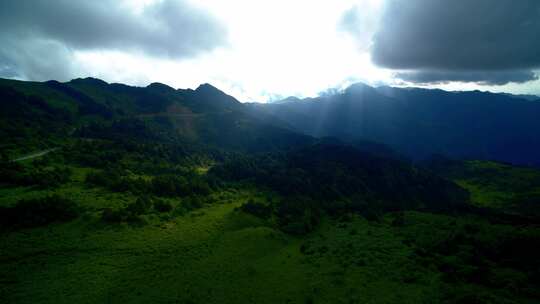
{"x": 208, "y": 87}
{"x": 160, "y": 87}
{"x": 359, "y": 87}
{"x": 207, "y": 90}
{"x": 210, "y": 98}
{"x": 288, "y": 99}
{"x": 89, "y": 80}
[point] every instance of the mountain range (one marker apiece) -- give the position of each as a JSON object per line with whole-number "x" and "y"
{"x": 420, "y": 123}
{"x": 417, "y": 123}
{"x": 34, "y": 112}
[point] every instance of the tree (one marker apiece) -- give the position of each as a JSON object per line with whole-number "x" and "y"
{"x": 141, "y": 206}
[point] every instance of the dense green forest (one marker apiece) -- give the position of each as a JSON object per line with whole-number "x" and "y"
{"x": 157, "y": 195}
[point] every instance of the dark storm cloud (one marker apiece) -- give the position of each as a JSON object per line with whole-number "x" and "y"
{"x": 166, "y": 28}
{"x": 481, "y": 77}
{"x": 7, "y": 68}
{"x": 35, "y": 59}
{"x": 172, "y": 28}
{"x": 459, "y": 36}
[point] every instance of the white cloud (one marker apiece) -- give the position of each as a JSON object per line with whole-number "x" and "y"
{"x": 277, "y": 48}
{"x": 274, "y": 48}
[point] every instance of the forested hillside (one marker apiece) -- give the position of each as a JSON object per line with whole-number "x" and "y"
{"x": 38, "y": 114}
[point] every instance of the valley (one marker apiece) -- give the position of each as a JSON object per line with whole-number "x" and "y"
{"x": 157, "y": 195}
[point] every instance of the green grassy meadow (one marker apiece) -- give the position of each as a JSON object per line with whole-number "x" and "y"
{"x": 499, "y": 186}
{"x": 219, "y": 254}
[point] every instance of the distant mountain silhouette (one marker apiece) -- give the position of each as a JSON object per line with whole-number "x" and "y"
{"x": 422, "y": 122}
{"x": 524, "y": 96}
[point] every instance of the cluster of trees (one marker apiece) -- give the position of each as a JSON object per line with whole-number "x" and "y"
{"x": 27, "y": 119}
{"x": 14, "y": 174}
{"x": 486, "y": 173}
{"x": 146, "y": 204}
{"x": 298, "y": 215}
{"x": 477, "y": 252}
{"x": 133, "y": 211}
{"x": 338, "y": 179}
{"x": 86, "y": 105}
{"x": 519, "y": 185}
{"x": 140, "y": 156}
{"x": 334, "y": 173}
{"x": 257, "y": 208}
{"x": 120, "y": 129}
{"x": 38, "y": 212}
{"x": 93, "y": 154}
{"x": 162, "y": 185}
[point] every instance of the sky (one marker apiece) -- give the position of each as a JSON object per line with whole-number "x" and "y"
{"x": 268, "y": 50}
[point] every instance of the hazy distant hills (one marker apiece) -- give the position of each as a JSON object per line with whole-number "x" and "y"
{"x": 524, "y": 96}
{"x": 422, "y": 122}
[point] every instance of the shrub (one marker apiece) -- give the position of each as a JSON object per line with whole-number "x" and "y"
{"x": 140, "y": 206}
{"x": 166, "y": 185}
{"x": 105, "y": 179}
{"x": 38, "y": 212}
{"x": 53, "y": 177}
{"x": 162, "y": 206}
{"x": 257, "y": 209}
{"x": 113, "y": 216}
{"x": 200, "y": 187}
{"x": 15, "y": 174}
{"x": 297, "y": 215}
{"x": 398, "y": 220}
{"x": 193, "y": 202}
{"x": 130, "y": 213}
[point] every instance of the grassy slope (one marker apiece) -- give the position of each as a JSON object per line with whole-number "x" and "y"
{"x": 220, "y": 255}
{"x": 497, "y": 185}
{"x": 212, "y": 255}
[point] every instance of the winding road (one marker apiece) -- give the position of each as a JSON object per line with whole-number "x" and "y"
{"x": 34, "y": 155}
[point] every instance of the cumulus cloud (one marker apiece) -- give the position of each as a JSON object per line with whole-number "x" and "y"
{"x": 461, "y": 40}
{"x": 37, "y": 34}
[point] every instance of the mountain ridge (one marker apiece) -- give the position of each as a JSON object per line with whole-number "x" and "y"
{"x": 415, "y": 122}
{"x": 421, "y": 122}
{"x": 98, "y": 109}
